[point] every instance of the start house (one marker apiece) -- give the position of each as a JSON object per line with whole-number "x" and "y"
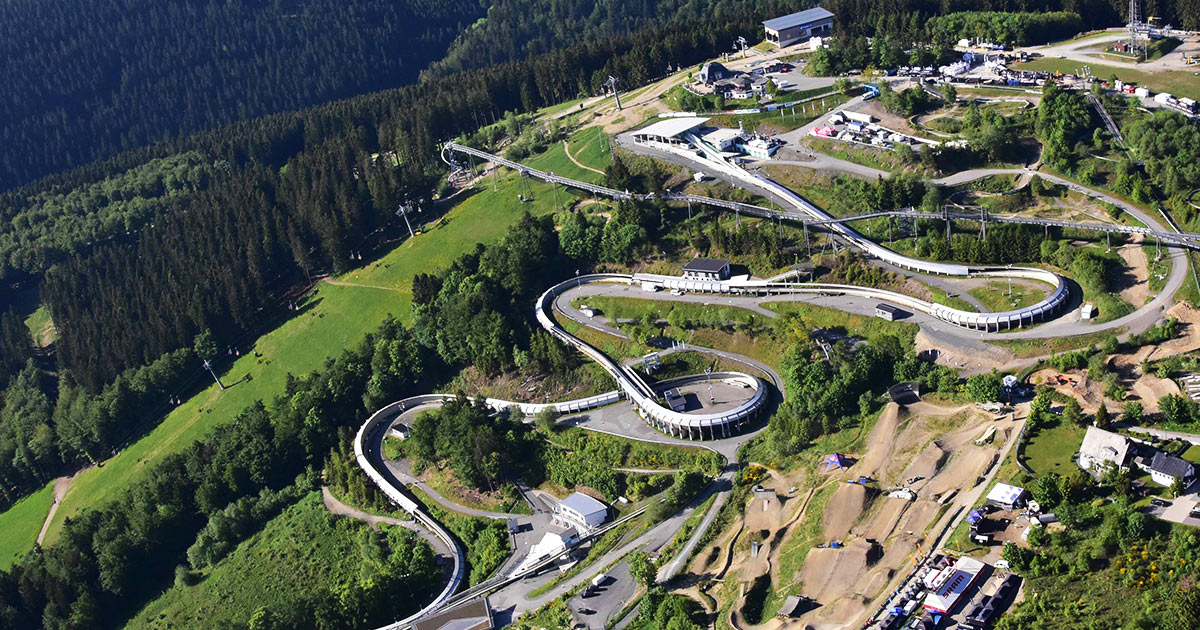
{"x": 581, "y": 512}
{"x": 798, "y": 27}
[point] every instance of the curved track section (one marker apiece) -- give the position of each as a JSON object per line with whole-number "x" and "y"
{"x": 967, "y": 319}
{"x": 808, "y": 213}
{"x": 685, "y": 425}
{"x": 368, "y": 452}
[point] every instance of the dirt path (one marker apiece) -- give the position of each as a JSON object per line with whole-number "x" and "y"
{"x": 341, "y": 509}
{"x": 567, "y": 150}
{"x": 343, "y": 283}
{"x": 1137, "y": 287}
{"x": 61, "y": 485}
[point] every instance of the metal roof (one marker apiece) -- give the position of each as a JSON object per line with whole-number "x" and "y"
{"x": 1171, "y": 466}
{"x": 799, "y": 18}
{"x": 671, "y": 127}
{"x": 1005, "y": 494}
{"x": 709, "y": 265}
{"x": 583, "y": 504}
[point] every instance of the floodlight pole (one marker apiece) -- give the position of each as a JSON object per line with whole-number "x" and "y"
{"x": 403, "y": 212}
{"x": 208, "y": 366}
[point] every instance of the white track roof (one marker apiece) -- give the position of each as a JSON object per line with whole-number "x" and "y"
{"x": 670, "y": 127}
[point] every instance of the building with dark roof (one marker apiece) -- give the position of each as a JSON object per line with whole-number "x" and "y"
{"x": 798, "y": 27}
{"x": 1165, "y": 469}
{"x": 741, "y": 86}
{"x": 706, "y": 269}
{"x": 712, "y": 72}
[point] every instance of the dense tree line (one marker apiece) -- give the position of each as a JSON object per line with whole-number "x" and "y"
{"x": 515, "y": 29}
{"x": 481, "y": 451}
{"x": 823, "y": 396}
{"x": 40, "y": 229}
{"x": 1169, "y": 144}
{"x": 1020, "y": 28}
{"x": 89, "y": 79}
{"x": 477, "y": 311}
{"x": 109, "y": 560}
{"x": 48, "y": 425}
{"x": 16, "y": 347}
{"x": 1062, "y": 118}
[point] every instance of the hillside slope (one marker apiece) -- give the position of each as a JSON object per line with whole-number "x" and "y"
{"x": 89, "y": 78}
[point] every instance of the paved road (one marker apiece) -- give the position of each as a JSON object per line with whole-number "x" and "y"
{"x": 1074, "y": 50}
{"x": 607, "y": 600}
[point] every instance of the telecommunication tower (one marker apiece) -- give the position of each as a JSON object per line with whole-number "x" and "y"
{"x": 1137, "y": 30}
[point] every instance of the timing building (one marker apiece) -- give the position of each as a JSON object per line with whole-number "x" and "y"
{"x": 706, "y": 269}
{"x": 798, "y": 27}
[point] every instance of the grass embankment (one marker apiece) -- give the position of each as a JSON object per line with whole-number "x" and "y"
{"x": 22, "y": 522}
{"x": 588, "y": 146}
{"x": 833, "y": 319}
{"x": 685, "y": 531}
{"x": 1178, "y": 83}
{"x": 507, "y": 499}
{"x": 334, "y": 317}
{"x": 880, "y": 159}
{"x": 302, "y": 551}
{"x": 485, "y": 541}
{"x": 1026, "y": 348}
{"x": 780, "y": 120}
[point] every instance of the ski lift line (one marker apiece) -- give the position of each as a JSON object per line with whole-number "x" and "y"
{"x": 1180, "y": 238}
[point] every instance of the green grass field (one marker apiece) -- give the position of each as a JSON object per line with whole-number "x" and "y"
{"x": 337, "y": 315}
{"x": 1177, "y": 83}
{"x": 591, "y": 147}
{"x": 301, "y": 551}
{"x": 22, "y": 522}
{"x": 480, "y": 218}
{"x": 995, "y": 295}
{"x": 1053, "y": 448}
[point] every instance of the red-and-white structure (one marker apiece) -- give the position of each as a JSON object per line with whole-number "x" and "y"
{"x": 951, "y": 583}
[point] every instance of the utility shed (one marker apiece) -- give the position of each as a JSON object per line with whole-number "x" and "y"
{"x": 798, "y": 27}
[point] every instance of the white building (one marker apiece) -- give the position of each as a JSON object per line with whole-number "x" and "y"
{"x": 581, "y": 512}
{"x": 1165, "y": 469}
{"x": 1006, "y": 496}
{"x": 759, "y": 148}
{"x": 723, "y": 139}
{"x": 1102, "y": 450}
{"x": 798, "y": 27}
